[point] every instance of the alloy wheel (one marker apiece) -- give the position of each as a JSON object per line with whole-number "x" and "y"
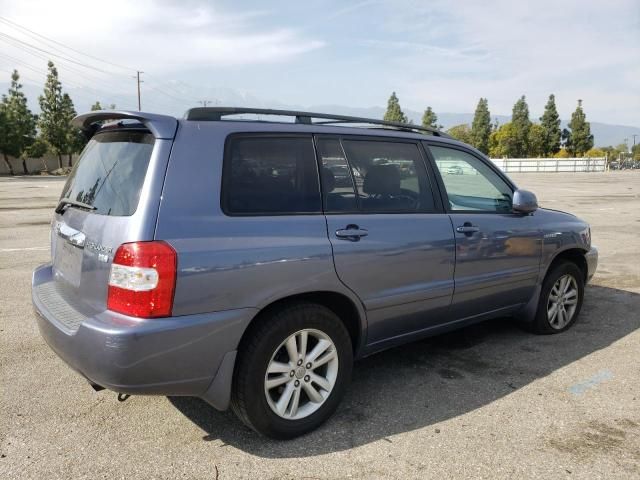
{"x": 562, "y": 302}
{"x": 301, "y": 374}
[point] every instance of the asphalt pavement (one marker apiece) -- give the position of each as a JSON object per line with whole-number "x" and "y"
{"x": 490, "y": 401}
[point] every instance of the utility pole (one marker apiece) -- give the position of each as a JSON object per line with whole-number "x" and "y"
{"x": 137, "y": 77}
{"x": 204, "y": 103}
{"x": 634, "y": 138}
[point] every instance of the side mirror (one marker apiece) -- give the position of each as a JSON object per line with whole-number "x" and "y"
{"x": 524, "y": 201}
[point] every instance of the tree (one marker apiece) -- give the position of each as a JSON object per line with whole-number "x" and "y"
{"x": 550, "y": 122}
{"x": 96, "y": 106}
{"x": 504, "y": 141}
{"x": 56, "y": 114}
{"x": 430, "y": 119}
{"x": 581, "y": 138}
{"x": 461, "y": 132}
{"x": 595, "y": 153}
{"x": 566, "y": 141}
{"x": 4, "y": 131}
{"x": 75, "y": 139}
{"x": 536, "y": 140}
{"x": 562, "y": 153}
{"x": 19, "y": 124}
{"x": 521, "y": 125}
{"x": 481, "y": 127}
{"x": 394, "y": 112}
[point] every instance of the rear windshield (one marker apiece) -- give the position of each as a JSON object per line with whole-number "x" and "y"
{"x": 110, "y": 172}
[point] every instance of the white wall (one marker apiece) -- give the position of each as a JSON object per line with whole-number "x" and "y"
{"x": 518, "y": 165}
{"x": 35, "y": 165}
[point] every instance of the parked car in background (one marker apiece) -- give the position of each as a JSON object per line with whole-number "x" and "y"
{"x": 248, "y": 264}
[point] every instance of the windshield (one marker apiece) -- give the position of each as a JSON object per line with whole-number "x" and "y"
{"x": 110, "y": 172}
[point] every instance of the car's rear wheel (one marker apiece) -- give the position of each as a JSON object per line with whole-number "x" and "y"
{"x": 292, "y": 370}
{"x": 560, "y": 299}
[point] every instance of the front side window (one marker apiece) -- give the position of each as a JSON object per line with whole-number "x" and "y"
{"x": 471, "y": 185}
{"x": 386, "y": 177}
{"x": 270, "y": 176}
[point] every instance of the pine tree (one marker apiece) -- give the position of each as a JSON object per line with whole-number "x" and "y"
{"x": 581, "y": 138}
{"x": 394, "y": 112}
{"x": 19, "y": 124}
{"x": 75, "y": 139}
{"x": 481, "y": 126}
{"x": 96, "y": 106}
{"x": 56, "y": 114}
{"x": 566, "y": 141}
{"x": 430, "y": 119}
{"x": 550, "y": 122}
{"x": 521, "y": 124}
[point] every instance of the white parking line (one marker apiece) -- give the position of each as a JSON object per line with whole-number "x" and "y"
{"x": 23, "y": 249}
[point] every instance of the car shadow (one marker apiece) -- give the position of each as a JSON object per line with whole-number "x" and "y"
{"x": 429, "y": 381}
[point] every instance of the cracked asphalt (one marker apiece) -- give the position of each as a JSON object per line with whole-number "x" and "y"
{"x": 490, "y": 401}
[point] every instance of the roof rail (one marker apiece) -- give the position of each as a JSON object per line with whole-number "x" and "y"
{"x": 216, "y": 114}
{"x": 161, "y": 126}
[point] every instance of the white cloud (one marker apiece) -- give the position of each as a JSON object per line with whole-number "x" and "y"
{"x": 575, "y": 49}
{"x": 158, "y": 36}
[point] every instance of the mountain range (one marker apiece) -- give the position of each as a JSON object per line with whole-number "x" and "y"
{"x": 174, "y": 98}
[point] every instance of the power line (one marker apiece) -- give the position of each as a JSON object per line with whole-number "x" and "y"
{"x": 14, "y": 24}
{"x": 28, "y": 47}
{"x": 62, "y": 66}
{"x": 31, "y": 67}
{"x": 14, "y": 39}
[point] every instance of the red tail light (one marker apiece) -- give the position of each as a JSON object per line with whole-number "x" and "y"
{"x": 143, "y": 279}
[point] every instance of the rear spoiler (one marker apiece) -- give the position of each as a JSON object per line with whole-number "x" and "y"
{"x": 161, "y": 126}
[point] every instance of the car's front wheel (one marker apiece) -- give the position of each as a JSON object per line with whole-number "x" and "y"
{"x": 292, "y": 370}
{"x": 560, "y": 299}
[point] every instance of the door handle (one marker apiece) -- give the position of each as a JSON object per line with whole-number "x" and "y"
{"x": 351, "y": 232}
{"x": 467, "y": 229}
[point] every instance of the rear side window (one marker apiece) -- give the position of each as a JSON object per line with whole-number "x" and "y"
{"x": 270, "y": 176}
{"x": 389, "y": 176}
{"x": 110, "y": 172}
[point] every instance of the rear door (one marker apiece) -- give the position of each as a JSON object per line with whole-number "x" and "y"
{"x": 497, "y": 251}
{"x": 392, "y": 244}
{"x": 119, "y": 178}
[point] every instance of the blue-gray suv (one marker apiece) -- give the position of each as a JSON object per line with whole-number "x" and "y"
{"x": 249, "y": 262}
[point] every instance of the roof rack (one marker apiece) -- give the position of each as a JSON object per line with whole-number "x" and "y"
{"x": 216, "y": 114}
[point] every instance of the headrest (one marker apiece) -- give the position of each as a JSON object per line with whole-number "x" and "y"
{"x": 328, "y": 180}
{"x": 382, "y": 180}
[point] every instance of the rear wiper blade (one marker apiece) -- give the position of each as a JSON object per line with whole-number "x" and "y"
{"x": 67, "y": 202}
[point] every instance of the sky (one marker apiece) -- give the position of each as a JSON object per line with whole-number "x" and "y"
{"x": 436, "y": 53}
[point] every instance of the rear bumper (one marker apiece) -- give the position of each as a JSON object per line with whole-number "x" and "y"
{"x": 592, "y": 262}
{"x": 166, "y": 356}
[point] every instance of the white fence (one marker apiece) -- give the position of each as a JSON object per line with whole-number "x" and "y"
{"x": 521, "y": 165}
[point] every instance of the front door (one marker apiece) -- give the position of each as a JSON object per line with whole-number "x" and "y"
{"x": 392, "y": 244}
{"x": 497, "y": 251}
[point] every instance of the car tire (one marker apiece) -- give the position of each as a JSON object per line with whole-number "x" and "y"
{"x": 560, "y": 300}
{"x": 264, "y": 360}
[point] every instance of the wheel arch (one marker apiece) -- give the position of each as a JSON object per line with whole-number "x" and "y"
{"x": 574, "y": 255}
{"x": 350, "y": 312}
